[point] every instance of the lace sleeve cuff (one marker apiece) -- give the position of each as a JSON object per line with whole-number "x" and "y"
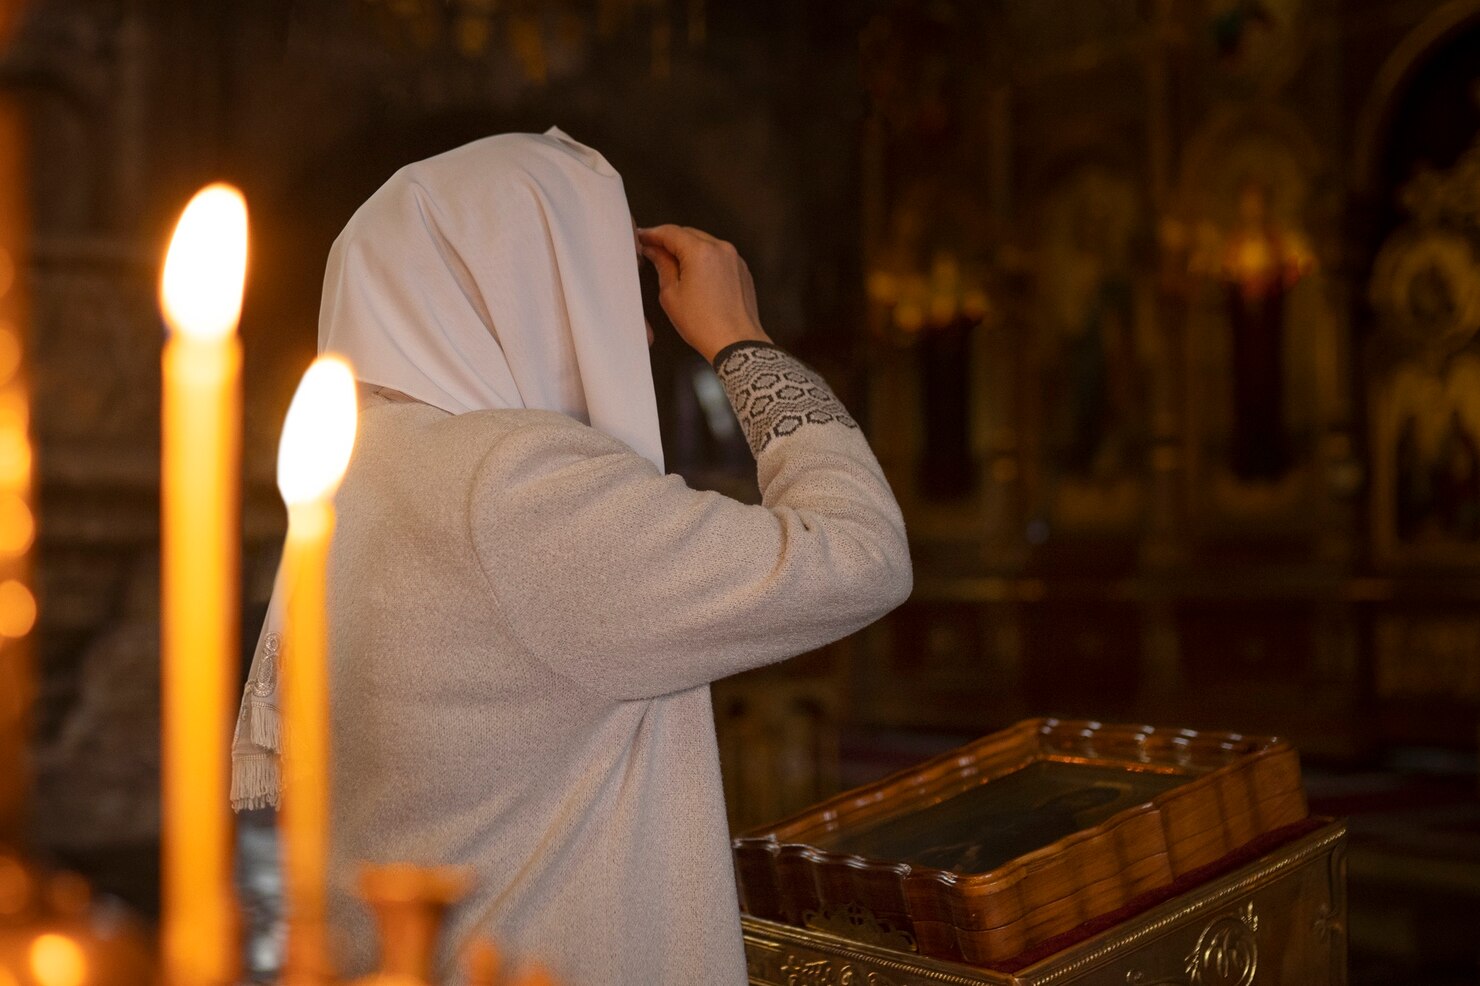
{"x": 775, "y": 394}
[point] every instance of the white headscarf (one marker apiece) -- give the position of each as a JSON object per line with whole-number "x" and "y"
{"x": 501, "y": 274}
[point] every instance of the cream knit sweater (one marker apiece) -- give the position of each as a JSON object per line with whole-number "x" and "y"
{"x": 526, "y": 617}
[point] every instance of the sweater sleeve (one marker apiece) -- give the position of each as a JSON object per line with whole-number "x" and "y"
{"x": 633, "y": 585}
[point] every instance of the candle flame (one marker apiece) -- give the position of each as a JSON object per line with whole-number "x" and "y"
{"x": 319, "y": 432}
{"x": 200, "y": 291}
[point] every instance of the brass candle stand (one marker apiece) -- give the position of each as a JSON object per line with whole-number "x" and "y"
{"x": 409, "y": 904}
{"x": 53, "y": 933}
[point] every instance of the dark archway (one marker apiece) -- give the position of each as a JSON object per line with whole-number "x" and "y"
{"x": 1431, "y": 116}
{"x": 1394, "y": 82}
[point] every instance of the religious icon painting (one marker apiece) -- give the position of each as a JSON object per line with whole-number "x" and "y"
{"x": 928, "y": 284}
{"x": 1426, "y": 505}
{"x": 1426, "y": 287}
{"x": 1261, "y": 335}
{"x": 1091, "y": 350}
{"x": 1425, "y": 387}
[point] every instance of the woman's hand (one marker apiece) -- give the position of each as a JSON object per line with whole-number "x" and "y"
{"x": 704, "y": 286}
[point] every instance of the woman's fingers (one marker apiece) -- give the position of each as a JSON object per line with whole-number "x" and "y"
{"x": 665, "y": 263}
{"x": 677, "y": 240}
{"x": 680, "y": 240}
{"x": 706, "y": 288}
{"x": 707, "y": 238}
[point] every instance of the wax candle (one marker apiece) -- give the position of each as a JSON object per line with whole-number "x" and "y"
{"x": 317, "y": 439}
{"x": 17, "y": 526}
{"x": 200, "y": 295}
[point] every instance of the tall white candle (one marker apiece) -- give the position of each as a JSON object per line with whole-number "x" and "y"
{"x": 318, "y": 436}
{"x": 201, "y": 297}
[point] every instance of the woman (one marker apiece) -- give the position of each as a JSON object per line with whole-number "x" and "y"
{"x": 526, "y": 612}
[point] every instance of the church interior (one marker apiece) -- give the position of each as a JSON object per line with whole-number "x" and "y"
{"x": 1154, "y": 312}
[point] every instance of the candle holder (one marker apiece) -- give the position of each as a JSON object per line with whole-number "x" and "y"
{"x": 409, "y": 903}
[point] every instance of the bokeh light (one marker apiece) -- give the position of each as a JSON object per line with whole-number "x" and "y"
{"x": 57, "y": 960}
{"x": 17, "y": 609}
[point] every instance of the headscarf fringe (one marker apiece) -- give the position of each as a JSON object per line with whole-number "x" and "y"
{"x": 258, "y": 742}
{"x": 254, "y": 782}
{"x": 264, "y": 726}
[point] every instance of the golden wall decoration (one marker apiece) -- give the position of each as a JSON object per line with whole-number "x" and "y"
{"x": 1425, "y": 388}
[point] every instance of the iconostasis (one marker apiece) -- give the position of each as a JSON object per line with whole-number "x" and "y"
{"x": 1172, "y": 314}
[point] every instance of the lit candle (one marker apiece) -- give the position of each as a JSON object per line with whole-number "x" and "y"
{"x": 201, "y": 295}
{"x": 318, "y": 435}
{"x": 17, "y": 526}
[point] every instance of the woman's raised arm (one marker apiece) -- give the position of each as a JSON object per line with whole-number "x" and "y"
{"x": 633, "y": 585}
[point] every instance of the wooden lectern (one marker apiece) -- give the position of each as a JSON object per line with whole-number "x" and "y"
{"x": 1056, "y": 852}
